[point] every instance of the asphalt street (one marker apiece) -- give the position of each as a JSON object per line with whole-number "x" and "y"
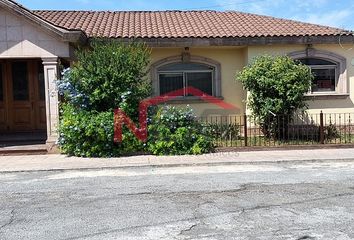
{"x": 255, "y": 201}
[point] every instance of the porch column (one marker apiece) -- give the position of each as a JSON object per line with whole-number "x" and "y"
{"x": 52, "y": 101}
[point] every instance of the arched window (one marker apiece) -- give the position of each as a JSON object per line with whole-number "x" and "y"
{"x": 330, "y": 71}
{"x": 178, "y": 76}
{"x": 171, "y": 74}
{"x": 325, "y": 74}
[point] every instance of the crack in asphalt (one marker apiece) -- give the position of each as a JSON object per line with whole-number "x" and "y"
{"x": 306, "y": 237}
{"x": 11, "y": 220}
{"x": 183, "y": 231}
{"x": 242, "y": 188}
{"x": 195, "y": 218}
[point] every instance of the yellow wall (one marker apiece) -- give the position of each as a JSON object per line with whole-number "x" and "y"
{"x": 315, "y": 106}
{"x": 233, "y": 59}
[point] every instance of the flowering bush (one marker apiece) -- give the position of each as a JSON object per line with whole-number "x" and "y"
{"x": 109, "y": 75}
{"x": 69, "y": 92}
{"x": 90, "y": 134}
{"x": 175, "y": 131}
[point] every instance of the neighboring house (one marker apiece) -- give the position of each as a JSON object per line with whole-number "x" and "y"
{"x": 203, "y": 49}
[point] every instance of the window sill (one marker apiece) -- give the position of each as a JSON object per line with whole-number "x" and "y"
{"x": 192, "y": 99}
{"x": 326, "y": 96}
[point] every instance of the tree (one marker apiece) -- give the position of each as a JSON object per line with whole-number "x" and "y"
{"x": 276, "y": 86}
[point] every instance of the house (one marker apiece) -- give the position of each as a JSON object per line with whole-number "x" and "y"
{"x": 203, "y": 49}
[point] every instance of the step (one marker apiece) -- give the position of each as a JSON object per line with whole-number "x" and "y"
{"x": 21, "y": 138}
{"x": 31, "y": 149}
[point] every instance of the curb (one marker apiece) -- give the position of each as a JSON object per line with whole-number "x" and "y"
{"x": 174, "y": 165}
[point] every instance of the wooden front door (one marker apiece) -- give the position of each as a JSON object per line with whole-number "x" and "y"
{"x": 22, "y": 108}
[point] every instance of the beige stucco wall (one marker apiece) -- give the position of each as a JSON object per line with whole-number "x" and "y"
{"x": 330, "y": 105}
{"x": 232, "y": 59}
{"x": 21, "y": 39}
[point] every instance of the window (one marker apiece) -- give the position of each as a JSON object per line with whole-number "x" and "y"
{"x": 41, "y": 86}
{"x": 176, "y": 76}
{"x": 325, "y": 73}
{"x": 20, "y": 81}
{"x": 330, "y": 70}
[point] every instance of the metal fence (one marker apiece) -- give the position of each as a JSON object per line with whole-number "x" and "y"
{"x": 280, "y": 130}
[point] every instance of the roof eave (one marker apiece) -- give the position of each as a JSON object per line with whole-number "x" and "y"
{"x": 78, "y": 37}
{"x": 242, "y": 41}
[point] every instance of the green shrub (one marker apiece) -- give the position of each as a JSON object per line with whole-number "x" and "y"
{"x": 175, "y": 131}
{"x": 109, "y": 75}
{"x": 106, "y": 76}
{"x": 331, "y": 132}
{"x": 90, "y": 134}
{"x": 277, "y": 87}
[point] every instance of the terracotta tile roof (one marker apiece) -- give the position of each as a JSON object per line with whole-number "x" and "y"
{"x": 181, "y": 24}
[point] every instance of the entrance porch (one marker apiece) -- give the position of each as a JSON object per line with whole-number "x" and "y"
{"x": 28, "y": 102}
{"x": 30, "y": 49}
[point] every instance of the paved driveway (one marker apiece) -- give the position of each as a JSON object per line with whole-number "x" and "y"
{"x": 267, "y": 201}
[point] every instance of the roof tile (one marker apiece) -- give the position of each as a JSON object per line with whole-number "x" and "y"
{"x": 181, "y": 24}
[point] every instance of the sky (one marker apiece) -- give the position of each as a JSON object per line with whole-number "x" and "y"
{"x": 336, "y": 13}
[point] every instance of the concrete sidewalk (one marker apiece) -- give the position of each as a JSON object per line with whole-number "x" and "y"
{"x": 61, "y": 162}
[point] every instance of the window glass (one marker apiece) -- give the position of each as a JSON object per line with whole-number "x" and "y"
{"x": 178, "y": 76}
{"x": 1, "y": 85}
{"x": 41, "y": 87}
{"x": 20, "y": 81}
{"x": 201, "y": 80}
{"x": 324, "y": 81}
{"x": 324, "y": 74}
{"x": 170, "y": 82}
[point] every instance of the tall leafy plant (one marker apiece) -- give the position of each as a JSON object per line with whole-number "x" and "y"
{"x": 276, "y": 85}
{"x": 112, "y": 75}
